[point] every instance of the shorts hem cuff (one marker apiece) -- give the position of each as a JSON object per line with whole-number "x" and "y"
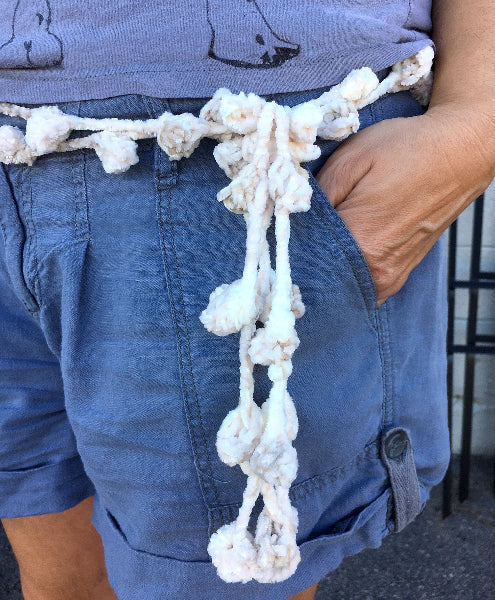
{"x": 46, "y": 489}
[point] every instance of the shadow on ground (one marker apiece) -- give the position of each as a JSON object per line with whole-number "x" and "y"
{"x": 432, "y": 559}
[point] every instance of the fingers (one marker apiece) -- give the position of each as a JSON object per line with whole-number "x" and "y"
{"x": 366, "y": 193}
{"x": 344, "y": 170}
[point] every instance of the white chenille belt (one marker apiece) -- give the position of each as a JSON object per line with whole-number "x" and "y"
{"x": 261, "y": 147}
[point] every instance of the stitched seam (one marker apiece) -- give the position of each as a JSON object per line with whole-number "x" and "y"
{"x": 37, "y": 263}
{"x": 406, "y": 22}
{"x": 33, "y": 240}
{"x": 60, "y": 246}
{"x": 73, "y": 178}
{"x": 4, "y": 235}
{"x": 179, "y": 342}
{"x": 86, "y": 203}
{"x": 391, "y": 399}
{"x": 191, "y": 374}
{"x": 13, "y": 208}
{"x": 174, "y": 312}
{"x": 173, "y": 166}
{"x": 174, "y": 309}
{"x": 382, "y": 363}
{"x": 190, "y": 419}
{"x": 80, "y": 189}
{"x": 385, "y": 358}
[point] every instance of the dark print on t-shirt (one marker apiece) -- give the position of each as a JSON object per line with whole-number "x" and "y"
{"x": 32, "y": 45}
{"x": 255, "y": 45}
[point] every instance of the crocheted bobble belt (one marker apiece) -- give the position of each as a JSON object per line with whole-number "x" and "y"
{"x": 261, "y": 145}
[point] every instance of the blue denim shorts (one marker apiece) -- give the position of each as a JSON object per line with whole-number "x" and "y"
{"x": 110, "y": 385}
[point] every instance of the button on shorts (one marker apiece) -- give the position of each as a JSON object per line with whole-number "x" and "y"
{"x": 110, "y": 385}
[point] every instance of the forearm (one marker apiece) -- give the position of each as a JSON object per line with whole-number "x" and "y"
{"x": 464, "y": 70}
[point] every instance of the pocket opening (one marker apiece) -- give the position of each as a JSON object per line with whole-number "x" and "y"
{"x": 331, "y": 220}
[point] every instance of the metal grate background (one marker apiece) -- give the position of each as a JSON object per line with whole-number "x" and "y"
{"x": 475, "y": 343}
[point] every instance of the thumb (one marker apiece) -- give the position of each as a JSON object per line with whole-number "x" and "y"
{"x": 343, "y": 170}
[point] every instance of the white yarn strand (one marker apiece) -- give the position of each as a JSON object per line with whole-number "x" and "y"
{"x": 261, "y": 145}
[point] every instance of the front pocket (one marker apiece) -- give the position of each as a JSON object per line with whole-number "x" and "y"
{"x": 15, "y": 232}
{"x": 57, "y": 204}
{"x": 331, "y": 220}
{"x": 337, "y": 382}
{"x": 46, "y": 210}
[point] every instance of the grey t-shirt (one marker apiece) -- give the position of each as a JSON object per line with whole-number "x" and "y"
{"x": 62, "y": 50}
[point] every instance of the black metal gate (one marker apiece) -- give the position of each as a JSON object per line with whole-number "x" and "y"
{"x": 475, "y": 344}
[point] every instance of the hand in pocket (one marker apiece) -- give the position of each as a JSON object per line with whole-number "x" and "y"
{"x": 398, "y": 185}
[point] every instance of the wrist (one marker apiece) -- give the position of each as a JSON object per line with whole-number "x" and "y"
{"x": 471, "y": 124}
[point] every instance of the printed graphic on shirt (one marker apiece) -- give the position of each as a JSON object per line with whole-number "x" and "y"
{"x": 32, "y": 45}
{"x": 253, "y": 44}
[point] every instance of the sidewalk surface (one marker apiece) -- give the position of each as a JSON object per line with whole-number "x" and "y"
{"x": 432, "y": 559}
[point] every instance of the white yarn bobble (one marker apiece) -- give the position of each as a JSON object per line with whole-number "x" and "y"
{"x": 339, "y": 128}
{"x": 230, "y": 307}
{"x": 280, "y": 371}
{"x": 211, "y": 110}
{"x": 46, "y": 128}
{"x": 275, "y": 459}
{"x": 278, "y": 554}
{"x": 228, "y": 155}
{"x": 288, "y": 184}
{"x": 240, "y": 192}
{"x": 240, "y": 113}
{"x": 275, "y": 537}
{"x": 268, "y": 346}
{"x": 13, "y": 147}
{"x": 296, "y": 303}
{"x": 237, "y": 112}
{"x": 239, "y": 434}
{"x": 412, "y": 69}
{"x": 304, "y": 120}
{"x": 340, "y": 105}
{"x": 180, "y": 135}
{"x": 117, "y": 153}
{"x": 272, "y": 555}
{"x": 233, "y": 553}
{"x": 359, "y": 84}
{"x": 304, "y": 152}
{"x": 236, "y": 152}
